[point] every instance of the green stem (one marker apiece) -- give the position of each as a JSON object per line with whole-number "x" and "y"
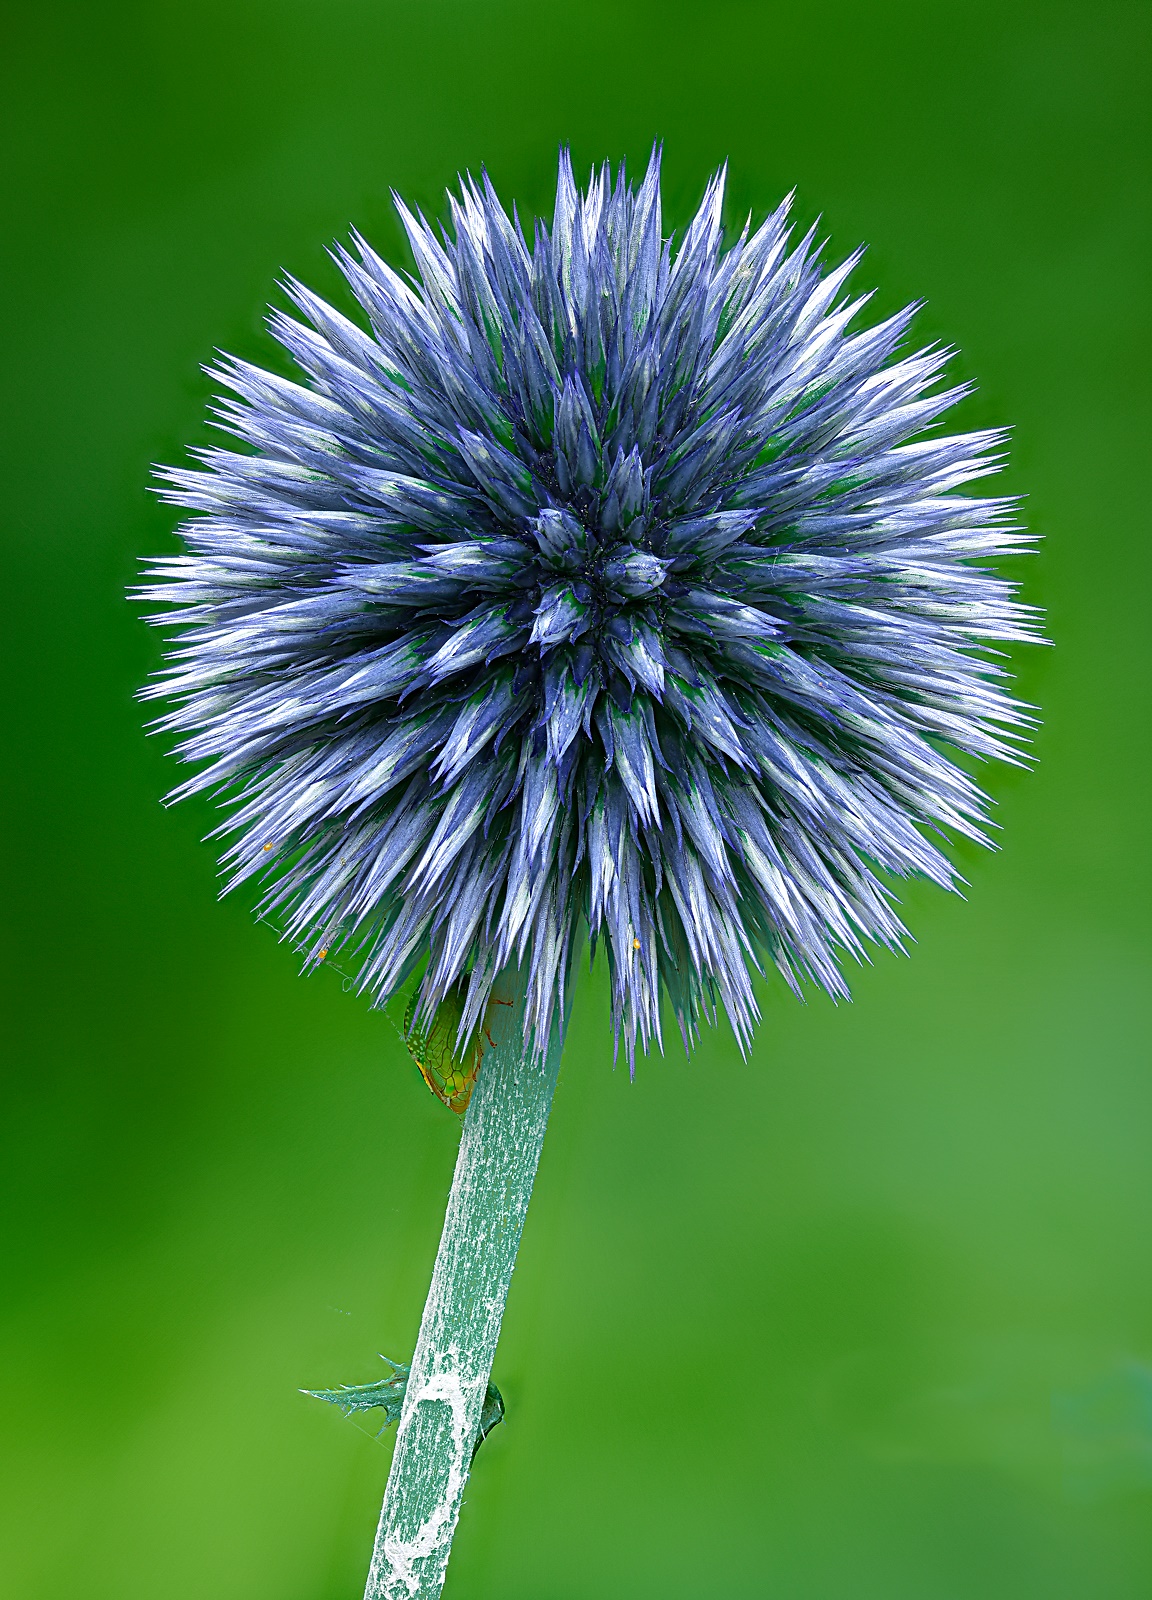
{"x": 499, "y": 1153}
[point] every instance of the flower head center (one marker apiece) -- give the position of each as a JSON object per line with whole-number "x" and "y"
{"x": 585, "y": 581}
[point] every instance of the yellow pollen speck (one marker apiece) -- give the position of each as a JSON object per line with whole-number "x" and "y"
{"x": 323, "y": 953}
{"x": 267, "y": 847}
{"x": 635, "y": 944}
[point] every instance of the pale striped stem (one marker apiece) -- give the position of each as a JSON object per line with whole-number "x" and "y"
{"x": 499, "y": 1152}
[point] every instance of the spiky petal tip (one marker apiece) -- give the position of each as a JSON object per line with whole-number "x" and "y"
{"x": 594, "y": 582}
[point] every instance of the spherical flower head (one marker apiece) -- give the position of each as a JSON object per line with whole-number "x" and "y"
{"x": 594, "y": 583}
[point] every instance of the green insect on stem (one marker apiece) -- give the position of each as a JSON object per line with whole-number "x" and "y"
{"x": 449, "y": 1070}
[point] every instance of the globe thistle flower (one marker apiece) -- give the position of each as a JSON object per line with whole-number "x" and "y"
{"x": 598, "y": 583}
{"x": 595, "y": 581}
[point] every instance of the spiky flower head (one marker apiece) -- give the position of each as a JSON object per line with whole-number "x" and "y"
{"x": 595, "y": 582}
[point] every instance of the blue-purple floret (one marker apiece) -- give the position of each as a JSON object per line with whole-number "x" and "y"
{"x": 596, "y": 584}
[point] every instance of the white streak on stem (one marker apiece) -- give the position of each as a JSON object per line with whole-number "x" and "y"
{"x": 495, "y": 1169}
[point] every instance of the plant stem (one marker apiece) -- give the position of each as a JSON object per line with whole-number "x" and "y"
{"x": 499, "y": 1153}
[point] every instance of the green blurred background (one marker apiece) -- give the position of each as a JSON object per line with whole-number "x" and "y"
{"x": 868, "y": 1317}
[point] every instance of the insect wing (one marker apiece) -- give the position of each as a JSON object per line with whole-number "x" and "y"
{"x": 450, "y": 1076}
